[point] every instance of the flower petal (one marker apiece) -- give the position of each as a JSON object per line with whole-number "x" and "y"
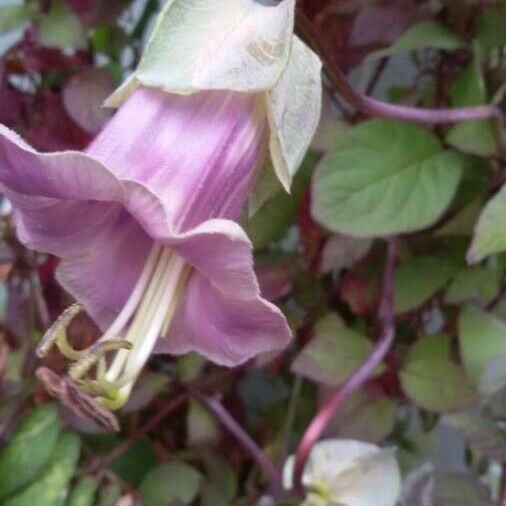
{"x": 355, "y": 473}
{"x": 103, "y": 277}
{"x": 222, "y": 252}
{"x": 219, "y": 249}
{"x": 238, "y": 45}
{"x": 294, "y": 111}
{"x": 209, "y": 146}
{"x": 59, "y": 199}
{"x": 63, "y": 175}
{"x": 226, "y": 331}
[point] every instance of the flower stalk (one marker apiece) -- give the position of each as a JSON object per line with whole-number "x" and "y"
{"x": 360, "y": 376}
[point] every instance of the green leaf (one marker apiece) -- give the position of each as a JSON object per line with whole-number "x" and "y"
{"x": 431, "y": 380}
{"x": 212, "y": 495}
{"x": 474, "y": 283}
{"x": 482, "y": 338}
{"x": 171, "y": 482}
{"x": 462, "y": 224}
{"x": 424, "y": 35}
{"x": 460, "y": 490}
{"x": 490, "y": 231}
{"x": 13, "y": 16}
{"x": 474, "y": 137}
{"x": 366, "y": 419}
{"x": 133, "y": 465}
{"x": 272, "y": 221}
{"x": 493, "y": 378}
{"x": 481, "y": 433}
{"x": 50, "y": 488}
{"x": 109, "y": 495}
{"x": 61, "y": 28}
{"x": 386, "y": 177}
{"x": 30, "y": 448}
{"x": 190, "y": 366}
{"x": 83, "y": 494}
{"x": 201, "y": 426}
{"x": 469, "y": 86}
{"x": 333, "y": 354}
{"x": 222, "y": 476}
{"x": 490, "y": 29}
{"x": 492, "y": 387}
{"x": 418, "y": 279}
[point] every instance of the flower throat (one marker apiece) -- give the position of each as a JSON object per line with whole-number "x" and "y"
{"x": 108, "y": 369}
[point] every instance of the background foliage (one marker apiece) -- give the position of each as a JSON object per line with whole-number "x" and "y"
{"x": 436, "y": 189}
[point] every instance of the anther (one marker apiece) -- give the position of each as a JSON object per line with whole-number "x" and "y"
{"x": 94, "y": 353}
{"x": 52, "y": 334}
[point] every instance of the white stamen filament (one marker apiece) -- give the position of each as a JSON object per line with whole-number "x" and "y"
{"x": 146, "y": 316}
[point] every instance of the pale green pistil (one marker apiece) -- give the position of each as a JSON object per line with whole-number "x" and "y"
{"x": 145, "y": 317}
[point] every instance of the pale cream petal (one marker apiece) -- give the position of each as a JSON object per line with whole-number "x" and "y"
{"x": 294, "y": 111}
{"x": 350, "y": 472}
{"x": 240, "y": 45}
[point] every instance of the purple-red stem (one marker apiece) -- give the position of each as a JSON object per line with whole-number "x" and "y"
{"x": 373, "y": 107}
{"x": 360, "y": 376}
{"x": 242, "y": 437}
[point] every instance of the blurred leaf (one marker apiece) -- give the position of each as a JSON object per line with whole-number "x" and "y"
{"x": 272, "y": 220}
{"x": 190, "y": 366}
{"x": 419, "y": 278}
{"x": 171, "y": 482}
{"x": 84, "y": 95}
{"x": 50, "y": 488}
{"x": 275, "y": 273}
{"x": 460, "y": 490}
{"x": 427, "y": 487}
{"x": 212, "y": 495}
{"x": 134, "y": 464}
{"x": 83, "y": 493}
{"x": 474, "y": 283}
{"x": 490, "y": 232}
{"x": 367, "y": 419}
{"x": 481, "y": 433}
{"x": 109, "y": 40}
{"x": 482, "y": 337}
{"x": 462, "y": 224}
{"x": 201, "y": 426}
{"x": 432, "y": 380}
{"x": 383, "y": 23}
{"x": 490, "y": 29}
{"x": 424, "y": 35}
{"x": 493, "y": 378}
{"x": 366, "y": 186}
{"x": 13, "y": 16}
{"x": 109, "y": 495}
{"x": 222, "y": 476}
{"x": 147, "y": 387}
{"x": 341, "y": 252}
{"x": 29, "y": 450}
{"x": 61, "y": 28}
{"x": 333, "y": 354}
{"x": 260, "y": 391}
{"x": 474, "y": 137}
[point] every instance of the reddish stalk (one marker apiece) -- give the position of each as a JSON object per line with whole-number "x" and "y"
{"x": 373, "y": 107}
{"x": 386, "y": 320}
{"x": 242, "y": 437}
{"x": 165, "y": 411}
{"x": 168, "y": 408}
